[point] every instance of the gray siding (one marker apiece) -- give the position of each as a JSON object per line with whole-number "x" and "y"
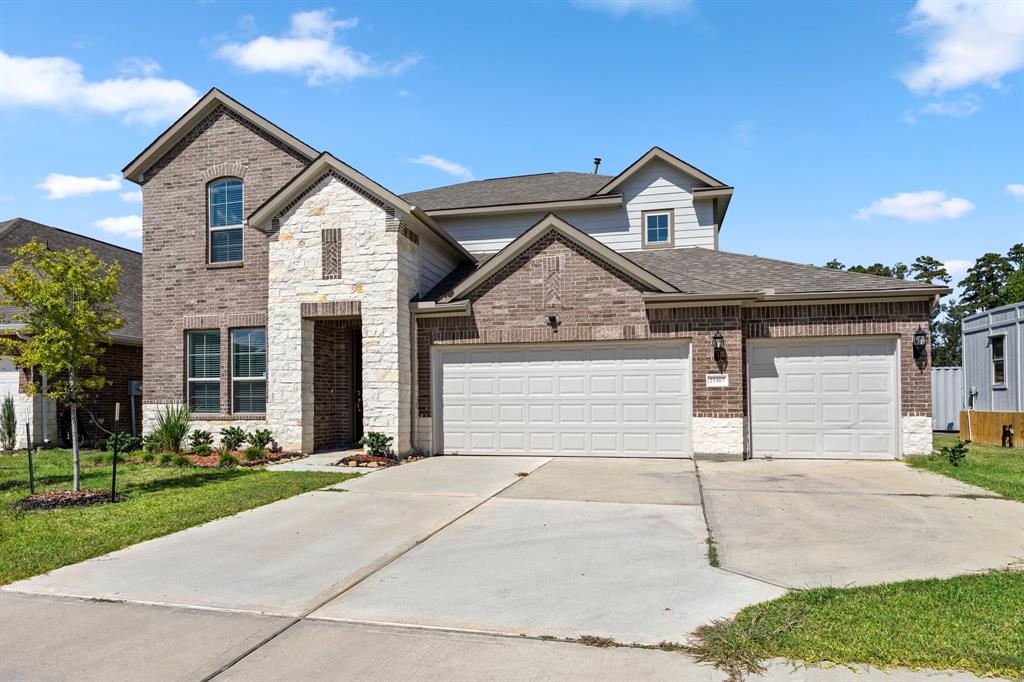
{"x": 436, "y": 261}
{"x": 657, "y": 186}
{"x": 978, "y": 331}
{"x": 947, "y": 398}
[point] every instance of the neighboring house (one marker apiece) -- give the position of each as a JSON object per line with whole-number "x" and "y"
{"x": 993, "y": 350}
{"x": 559, "y": 313}
{"x": 122, "y": 361}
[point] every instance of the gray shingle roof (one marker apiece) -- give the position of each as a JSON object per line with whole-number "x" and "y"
{"x": 702, "y": 271}
{"x": 520, "y": 189}
{"x": 18, "y": 232}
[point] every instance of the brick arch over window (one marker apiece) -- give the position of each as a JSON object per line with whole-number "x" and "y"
{"x": 228, "y": 169}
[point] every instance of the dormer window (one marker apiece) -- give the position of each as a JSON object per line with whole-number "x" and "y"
{"x": 225, "y": 220}
{"x": 658, "y": 229}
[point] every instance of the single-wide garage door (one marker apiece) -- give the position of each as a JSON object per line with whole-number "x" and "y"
{"x": 595, "y": 399}
{"x": 823, "y": 399}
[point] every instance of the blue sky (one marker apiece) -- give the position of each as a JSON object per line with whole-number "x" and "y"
{"x": 862, "y": 131}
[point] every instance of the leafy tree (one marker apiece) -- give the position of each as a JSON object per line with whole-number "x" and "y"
{"x": 928, "y": 269}
{"x": 1014, "y": 290}
{"x": 983, "y": 286}
{"x": 65, "y": 301}
{"x": 898, "y": 271}
{"x": 834, "y": 264}
{"x": 1016, "y": 255}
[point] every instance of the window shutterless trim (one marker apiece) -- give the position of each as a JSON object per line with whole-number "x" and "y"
{"x": 252, "y": 379}
{"x": 190, "y": 381}
{"x": 1001, "y": 360}
{"x": 671, "y": 242}
{"x": 210, "y": 228}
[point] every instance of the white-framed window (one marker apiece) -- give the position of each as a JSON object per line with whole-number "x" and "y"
{"x": 204, "y": 371}
{"x": 658, "y": 228}
{"x": 998, "y": 347}
{"x": 225, "y": 199}
{"x": 249, "y": 371}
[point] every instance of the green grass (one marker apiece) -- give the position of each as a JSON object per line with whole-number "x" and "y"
{"x": 971, "y": 622}
{"x": 161, "y": 500}
{"x": 998, "y": 469}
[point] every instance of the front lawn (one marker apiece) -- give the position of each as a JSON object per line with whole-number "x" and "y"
{"x": 971, "y": 622}
{"x": 998, "y": 469}
{"x": 160, "y": 500}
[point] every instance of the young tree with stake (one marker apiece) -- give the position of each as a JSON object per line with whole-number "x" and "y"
{"x": 65, "y": 300}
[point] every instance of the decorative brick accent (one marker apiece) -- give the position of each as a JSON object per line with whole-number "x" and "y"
{"x": 329, "y": 309}
{"x": 331, "y": 257}
{"x": 552, "y": 266}
{"x": 180, "y": 290}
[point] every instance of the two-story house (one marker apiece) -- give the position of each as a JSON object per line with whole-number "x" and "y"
{"x": 559, "y": 313}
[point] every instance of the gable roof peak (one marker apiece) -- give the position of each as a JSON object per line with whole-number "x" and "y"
{"x": 136, "y": 169}
{"x": 657, "y": 153}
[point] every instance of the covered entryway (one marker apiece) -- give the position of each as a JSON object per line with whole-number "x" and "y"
{"x": 623, "y": 400}
{"x": 824, "y": 398}
{"x": 337, "y": 383}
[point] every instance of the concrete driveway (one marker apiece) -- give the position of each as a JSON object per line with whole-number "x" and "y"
{"x": 452, "y": 560}
{"x": 813, "y": 523}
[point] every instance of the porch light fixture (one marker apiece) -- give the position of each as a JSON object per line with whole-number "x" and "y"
{"x": 718, "y": 343}
{"x": 920, "y": 341}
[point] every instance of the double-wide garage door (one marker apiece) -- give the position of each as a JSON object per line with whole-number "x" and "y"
{"x": 823, "y": 399}
{"x": 595, "y": 399}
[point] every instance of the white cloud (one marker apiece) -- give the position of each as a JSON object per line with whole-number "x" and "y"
{"x": 1016, "y": 190}
{"x": 620, "y": 8}
{"x": 138, "y": 66}
{"x": 923, "y": 206}
{"x": 309, "y": 48}
{"x": 60, "y": 186}
{"x": 129, "y": 225}
{"x": 966, "y": 43}
{"x": 443, "y": 165}
{"x": 57, "y": 83}
{"x": 957, "y": 268}
{"x": 132, "y": 197}
{"x": 960, "y": 108}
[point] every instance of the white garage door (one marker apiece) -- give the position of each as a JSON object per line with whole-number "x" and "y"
{"x": 824, "y": 399}
{"x": 623, "y": 401}
{"x": 8, "y": 377}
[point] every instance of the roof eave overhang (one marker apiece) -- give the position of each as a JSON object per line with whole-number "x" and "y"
{"x": 433, "y": 309}
{"x": 115, "y": 336}
{"x": 610, "y": 201}
{"x": 769, "y": 298}
{"x": 534, "y": 234}
{"x": 662, "y": 155}
{"x": 135, "y": 170}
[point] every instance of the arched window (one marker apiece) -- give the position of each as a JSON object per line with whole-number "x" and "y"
{"x": 225, "y": 222}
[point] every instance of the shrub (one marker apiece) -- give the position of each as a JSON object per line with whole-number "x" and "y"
{"x": 200, "y": 438}
{"x": 126, "y": 442}
{"x": 148, "y": 457}
{"x": 202, "y": 450}
{"x": 957, "y": 452}
{"x": 151, "y": 443}
{"x": 166, "y": 459}
{"x": 181, "y": 461}
{"x": 232, "y": 437}
{"x": 227, "y": 460}
{"x": 377, "y": 444}
{"x": 253, "y": 453}
{"x": 260, "y": 438}
{"x": 171, "y": 427}
{"x": 8, "y": 425}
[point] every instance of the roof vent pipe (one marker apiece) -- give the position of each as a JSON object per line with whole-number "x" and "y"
{"x": 597, "y": 163}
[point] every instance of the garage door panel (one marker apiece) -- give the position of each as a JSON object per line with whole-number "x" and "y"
{"x": 626, "y": 400}
{"x": 837, "y": 399}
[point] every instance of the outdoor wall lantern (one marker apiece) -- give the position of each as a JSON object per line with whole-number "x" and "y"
{"x": 718, "y": 343}
{"x": 920, "y": 341}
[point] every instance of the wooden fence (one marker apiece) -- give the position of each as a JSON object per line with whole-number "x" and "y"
{"x": 987, "y": 427}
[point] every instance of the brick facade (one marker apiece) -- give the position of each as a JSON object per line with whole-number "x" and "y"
{"x": 596, "y": 302}
{"x": 332, "y": 383}
{"x": 181, "y": 290}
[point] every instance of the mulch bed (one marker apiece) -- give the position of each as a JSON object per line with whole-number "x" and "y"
{"x": 213, "y": 460}
{"x": 56, "y": 499}
{"x": 372, "y": 461}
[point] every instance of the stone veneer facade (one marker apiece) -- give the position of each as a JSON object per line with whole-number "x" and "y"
{"x": 378, "y": 275}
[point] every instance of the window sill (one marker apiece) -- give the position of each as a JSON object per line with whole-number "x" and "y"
{"x": 998, "y": 387}
{"x": 223, "y": 266}
{"x": 211, "y": 417}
